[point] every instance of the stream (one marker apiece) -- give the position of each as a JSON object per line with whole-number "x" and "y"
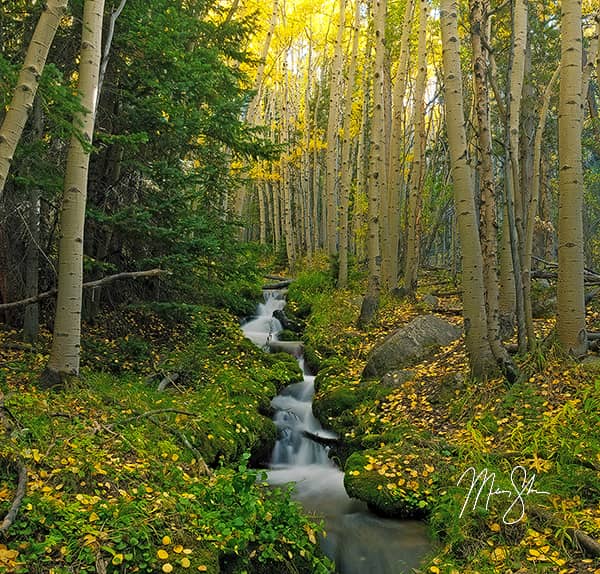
{"x": 357, "y": 540}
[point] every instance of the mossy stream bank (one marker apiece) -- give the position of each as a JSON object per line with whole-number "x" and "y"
{"x": 407, "y": 439}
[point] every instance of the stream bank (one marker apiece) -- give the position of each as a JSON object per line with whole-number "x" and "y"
{"x": 407, "y": 439}
{"x": 356, "y": 540}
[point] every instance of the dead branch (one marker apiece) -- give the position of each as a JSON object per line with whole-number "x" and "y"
{"x": 583, "y": 540}
{"x": 88, "y": 285}
{"x": 168, "y": 380}
{"x": 151, "y": 414}
{"x": 19, "y": 494}
{"x": 204, "y": 470}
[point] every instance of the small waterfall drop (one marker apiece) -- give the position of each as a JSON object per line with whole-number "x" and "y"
{"x": 358, "y": 541}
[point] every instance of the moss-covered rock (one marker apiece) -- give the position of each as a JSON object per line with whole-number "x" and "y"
{"x": 397, "y": 480}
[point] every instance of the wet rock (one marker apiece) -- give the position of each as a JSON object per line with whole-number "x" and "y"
{"x": 409, "y": 344}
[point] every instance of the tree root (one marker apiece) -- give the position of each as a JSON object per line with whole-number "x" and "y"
{"x": 19, "y": 494}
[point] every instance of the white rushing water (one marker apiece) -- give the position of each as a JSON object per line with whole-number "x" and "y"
{"x": 358, "y": 541}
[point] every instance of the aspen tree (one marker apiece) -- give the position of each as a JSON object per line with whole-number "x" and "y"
{"x": 346, "y": 175}
{"x": 570, "y": 297}
{"x": 27, "y": 84}
{"x": 476, "y": 337}
{"x": 376, "y": 181}
{"x": 418, "y": 165}
{"x": 333, "y": 128}
{"x": 66, "y": 341}
{"x": 397, "y": 145}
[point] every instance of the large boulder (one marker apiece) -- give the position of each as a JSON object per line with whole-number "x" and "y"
{"x": 409, "y": 344}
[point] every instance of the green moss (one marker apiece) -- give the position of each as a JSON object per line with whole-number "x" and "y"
{"x": 394, "y": 480}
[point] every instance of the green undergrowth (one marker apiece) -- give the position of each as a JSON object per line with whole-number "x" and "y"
{"x": 123, "y": 477}
{"x": 406, "y": 442}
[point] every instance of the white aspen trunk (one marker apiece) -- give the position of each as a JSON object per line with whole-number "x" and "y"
{"x": 376, "y": 185}
{"x": 571, "y": 296}
{"x": 418, "y": 165}
{"x": 66, "y": 341}
{"x": 346, "y": 175}
{"x": 27, "y": 84}
{"x": 476, "y": 337}
{"x": 534, "y": 206}
{"x": 397, "y": 144}
{"x": 333, "y": 128}
{"x": 513, "y": 172}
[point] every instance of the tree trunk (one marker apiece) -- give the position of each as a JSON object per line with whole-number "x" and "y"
{"x": 333, "y": 128}
{"x": 513, "y": 198}
{"x": 489, "y": 228}
{"x": 398, "y": 142}
{"x": 376, "y": 185}
{"x": 65, "y": 353}
{"x": 346, "y": 175}
{"x": 534, "y": 201}
{"x": 418, "y": 166}
{"x": 27, "y": 84}
{"x": 476, "y": 337}
{"x": 571, "y": 296}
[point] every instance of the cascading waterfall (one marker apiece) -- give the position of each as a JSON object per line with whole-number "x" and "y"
{"x": 358, "y": 541}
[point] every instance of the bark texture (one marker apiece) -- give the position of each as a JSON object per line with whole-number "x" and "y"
{"x": 66, "y": 341}
{"x": 571, "y": 295}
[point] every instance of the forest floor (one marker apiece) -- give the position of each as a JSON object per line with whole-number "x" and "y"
{"x": 125, "y": 477}
{"x": 407, "y": 443}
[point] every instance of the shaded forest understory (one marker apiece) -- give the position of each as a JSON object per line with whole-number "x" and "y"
{"x": 143, "y": 464}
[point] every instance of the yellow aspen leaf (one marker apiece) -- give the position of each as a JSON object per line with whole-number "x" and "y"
{"x": 175, "y": 457}
{"x": 166, "y": 540}
{"x": 94, "y": 517}
{"x": 498, "y": 554}
{"x": 162, "y": 554}
{"x": 117, "y": 559}
{"x": 495, "y": 527}
{"x": 167, "y": 567}
{"x": 178, "y": 549}
{"x": 36, "y": 455}
{"x": 202, "y": 568}
{"x": 434, "y": 569}
{"x": 533, "y": 552}
{"x": 185, "y": 562}
{"x": 187, "y": 550}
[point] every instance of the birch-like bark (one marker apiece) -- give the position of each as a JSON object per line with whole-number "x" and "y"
{"x": 376, "y": 185}
{"x": 513, "y": 173}
{"x": 333, "y": 128}
{"x": 476, "y": 336}
{"x": 418, "y": 165}
{"x": 27, "y": 84}
{"x": 66, "y": 341}
{"x": 534, "y": 207}
{"x": 571, "y": 296}
{"x": 346, "y": 175}
{"x": 397, "y": 146}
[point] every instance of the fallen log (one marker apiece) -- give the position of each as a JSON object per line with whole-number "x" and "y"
{"x": 322, "y": 440}
{"x": 279, "y": 285}
{"x": 88, "y": 285}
